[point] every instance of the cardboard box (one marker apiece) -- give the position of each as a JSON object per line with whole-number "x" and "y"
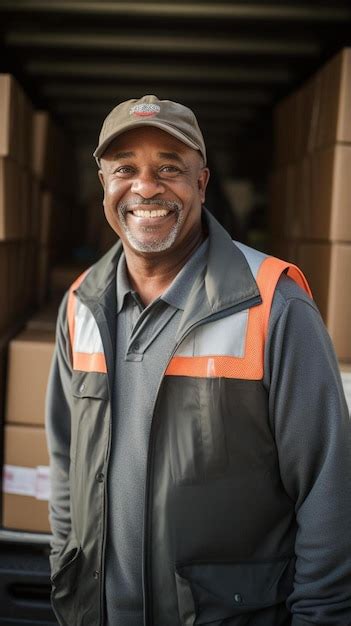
{"x": 46, "y": 221}
{"x": 50, "y": 153}
{"x": 30, "y": 274}
{"x": 317, "y": 115}
{"x": 330, "y": 214}
{"x": 307, "y": 117}
{"x": 25, "y": 479}
{"x": 334, "y": 119}
{"x": 327, "y": 267}
{"x": 4, "y": 282}
{"x": 26, "y": 140}
{"x": 34, "y": 222}
{"x": 30, "y": 355}
{"x": 45, "y": 255}
{"x": 15, "y": 121}
{"x": 26, "y": 204}
{"x": 41, "y": 138}
{"x": 9, "y": 117}
{"x": 285, "y": 120}
{"x": 290, "y": 201}
{"x": 10, "y": 200}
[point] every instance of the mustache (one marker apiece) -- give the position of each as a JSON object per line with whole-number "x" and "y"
{"x": 123, "y": 207}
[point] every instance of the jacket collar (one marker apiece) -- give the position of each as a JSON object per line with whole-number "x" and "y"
{"x": 227, "y": 281}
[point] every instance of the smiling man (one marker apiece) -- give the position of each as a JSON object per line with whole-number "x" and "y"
{"x": 198, "y": 432}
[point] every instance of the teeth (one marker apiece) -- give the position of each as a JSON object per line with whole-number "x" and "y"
{"x": 157, "y": 213}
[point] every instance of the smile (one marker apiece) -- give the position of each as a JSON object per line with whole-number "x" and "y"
{"x": 153, "y": 213}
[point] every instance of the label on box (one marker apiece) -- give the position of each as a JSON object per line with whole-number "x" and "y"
{"x": 27, "y": 481}
{"x": 346, "y": 379}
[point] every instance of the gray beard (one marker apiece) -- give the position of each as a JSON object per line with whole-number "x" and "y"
{"x": 157, "y": 245}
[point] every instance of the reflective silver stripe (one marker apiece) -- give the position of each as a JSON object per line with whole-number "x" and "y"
{"x": 253, "y": 257}
{"x": 87, "y": 336}
{"x": 224, "y": 337}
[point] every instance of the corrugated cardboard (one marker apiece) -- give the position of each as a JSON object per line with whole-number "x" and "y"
{"x": 30, "y": 355}
{"x": 328, "y": 268}
{"x": 11, "y": 226}
{"x": 334, "y": 120}
{"x": 25, "y": 446}
{"x": 330, "y": 213}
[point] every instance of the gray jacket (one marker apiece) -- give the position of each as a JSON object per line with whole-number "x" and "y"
{"x": 248, "y": 486}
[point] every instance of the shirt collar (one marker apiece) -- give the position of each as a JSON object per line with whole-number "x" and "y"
{"x": 122, "y": 282}
{"x": 177, "y": 293}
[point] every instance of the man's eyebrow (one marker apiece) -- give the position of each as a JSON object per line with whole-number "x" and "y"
{"x": 123, "y": 155}
{"x": 172, "y": 156}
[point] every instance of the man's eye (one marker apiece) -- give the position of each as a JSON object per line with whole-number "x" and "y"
{"x": 169, "y": 169}
{"x": 123, "y": 169}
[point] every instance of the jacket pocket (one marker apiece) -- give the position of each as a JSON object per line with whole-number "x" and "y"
{"x": 64, "y": 586}
{"x": 235, "y": 594}
{"x": 197, "y": 441}
{"x": 89, "y": 396}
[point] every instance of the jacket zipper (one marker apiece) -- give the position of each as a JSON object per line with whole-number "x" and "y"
{"x": 105, "y": 498}
{"x": 147, "y": 589}
{"x": 104, "y": 527}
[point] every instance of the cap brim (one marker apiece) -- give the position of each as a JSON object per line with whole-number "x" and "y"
{"x": 168, "y": 129}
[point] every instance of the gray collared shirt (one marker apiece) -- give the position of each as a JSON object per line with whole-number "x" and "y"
{"x": 145, "y": 341}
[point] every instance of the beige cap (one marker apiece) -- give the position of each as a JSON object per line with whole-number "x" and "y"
{"x": 175, "y": 119}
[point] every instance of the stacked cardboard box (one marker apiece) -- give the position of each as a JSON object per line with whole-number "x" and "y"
{"x": 311, "y": 188}
{"x": 26, "y": 474}
{"x": 17, "y": 209}
{"x": 35, "y": 198}
{"x": 50, "y": 155}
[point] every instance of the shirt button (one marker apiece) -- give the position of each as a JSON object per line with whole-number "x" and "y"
{"x": 100, "y": 477}
{"x": 136, "y": 345}
{"x": 96, "y": 574}
{"x": 82, "y": 387}
{"x": 237, "y": 598}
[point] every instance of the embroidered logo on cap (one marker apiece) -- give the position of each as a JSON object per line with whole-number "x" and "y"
{"x": 144, "y": 110}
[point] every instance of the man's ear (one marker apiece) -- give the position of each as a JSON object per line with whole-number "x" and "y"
{"x": 101, "y": 178}
{"x": 202, "y": 182}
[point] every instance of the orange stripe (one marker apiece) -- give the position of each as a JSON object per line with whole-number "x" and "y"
{"x": 213, "y": 367}
{"x": 251, "y": 366}
{"x": 85, "y": 362}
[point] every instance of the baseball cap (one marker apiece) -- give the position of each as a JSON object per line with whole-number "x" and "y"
{"x": 172, "y": 117}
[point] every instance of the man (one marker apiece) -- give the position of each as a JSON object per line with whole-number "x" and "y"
{"x": 198, "y": 432}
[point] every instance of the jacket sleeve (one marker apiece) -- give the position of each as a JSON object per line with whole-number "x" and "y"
{"x": 58, "y": 430}
{"x": 310, "y": 421}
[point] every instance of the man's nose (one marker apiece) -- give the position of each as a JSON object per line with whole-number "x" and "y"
{"x": 147, "y": 185}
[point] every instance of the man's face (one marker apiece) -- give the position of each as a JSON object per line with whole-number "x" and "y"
{"x": 154, "y": 186}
